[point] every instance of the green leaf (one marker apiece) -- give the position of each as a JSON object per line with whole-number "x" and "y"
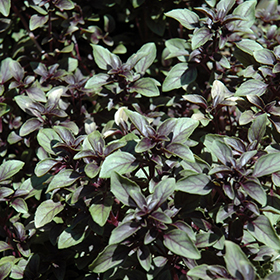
{"x": 195, "y": 184}
{"x": 160, "y": 216}
{"x": 127, "y": 191}
{"x": 111, "y": 256}
{"x": 273, "y": 276}
{"x": 147, "y": 60}
{"x": 225, "y": 6}
{"x": 47, "y": 138}
{"x": 5, "y": 73}
{"x": 92, "y": 169}
{"x": 258, "y": 128}
{"x": 121, "y": 162}
{"x": 180, "y": 150}
{"x": 97, "y": 81}
{"x": 54, "y": 96}
{"x": 267, "y": 164}
{"x": 5, "y": 268}
{"x": 46, "y": 211}
{"x": 263, "y": 231}
{"x": 44, "y": 166}
{"x": 104, "y": 59}
{"x": 71, "y": 236}
{"x": 146, "y": 87}
{"x": 94, "y": 141}
{"x": 20, "y": 205}
{"x": 265, "y": 56}
{"x": 63, "y": 178}
{"x": 144, "y": 145}
{"x": 30, "y": 126}
{"x": 179, "y": 75}
{"x": 100, "y": 210}
{"x": 221, "y": 151}
{"x": 37, "y": 21}
{"x": 255, "y": 190}
{"x": 4, "y": 109}
{"x": 186, "y": 17}
{"x": 178, "y": 242}
{"x": 5, "y": 192}
{"x": 245, "y": 10}
{"x": 64, "y": 5}
{"x": 163, "y": 190}
{"x": 200, "y": 272}
{"x": 5, "y": 246}
{"x": 237, "y": 262}
{"x": 123, "y": 231}
{"x": 255, "y": 87}
{"x": 10, "y": 168}
{"x": 200, "y": 37}
{"x": 249, "y": 46}
{"x": 36, "y": 93}
{"x": 5, "y": 6}
{"x": 144, "y": 257}
{"x": 139, "y": 121}
{"x": 183, "y": 129}
{"x": 206, "y": 239}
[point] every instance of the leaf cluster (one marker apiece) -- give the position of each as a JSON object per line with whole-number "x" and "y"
{"x": 139, "y": 139}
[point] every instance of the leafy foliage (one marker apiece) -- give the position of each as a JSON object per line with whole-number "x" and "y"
{"x": 139, "y": 139}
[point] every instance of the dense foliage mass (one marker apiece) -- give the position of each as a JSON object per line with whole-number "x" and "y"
{"x": 139, "y": 139}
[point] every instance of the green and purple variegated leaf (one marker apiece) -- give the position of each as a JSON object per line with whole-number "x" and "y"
{"x": 120, "y": 162}
{"x": 179, "y": 75}
{"x": 127, "y": 191}
{"x": 104, "y": 59}
{"x": 46, "y": 211}
{"x": 147, "y": 60}
{"x": 194, "y": 184}
{"x": 200, "y": 37}
{"x": 267, "y": 164}
{"x": 146, "y": 87}
{"x": 264, "y": 232}
{"x": 178, "y": 242}
{"x": 186, "y": 17}
{"x": 112, "y": 256}
{"x": 237, "y": 262}
{"x": 123, "y": 231}
{"x": 9, "y": 168}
